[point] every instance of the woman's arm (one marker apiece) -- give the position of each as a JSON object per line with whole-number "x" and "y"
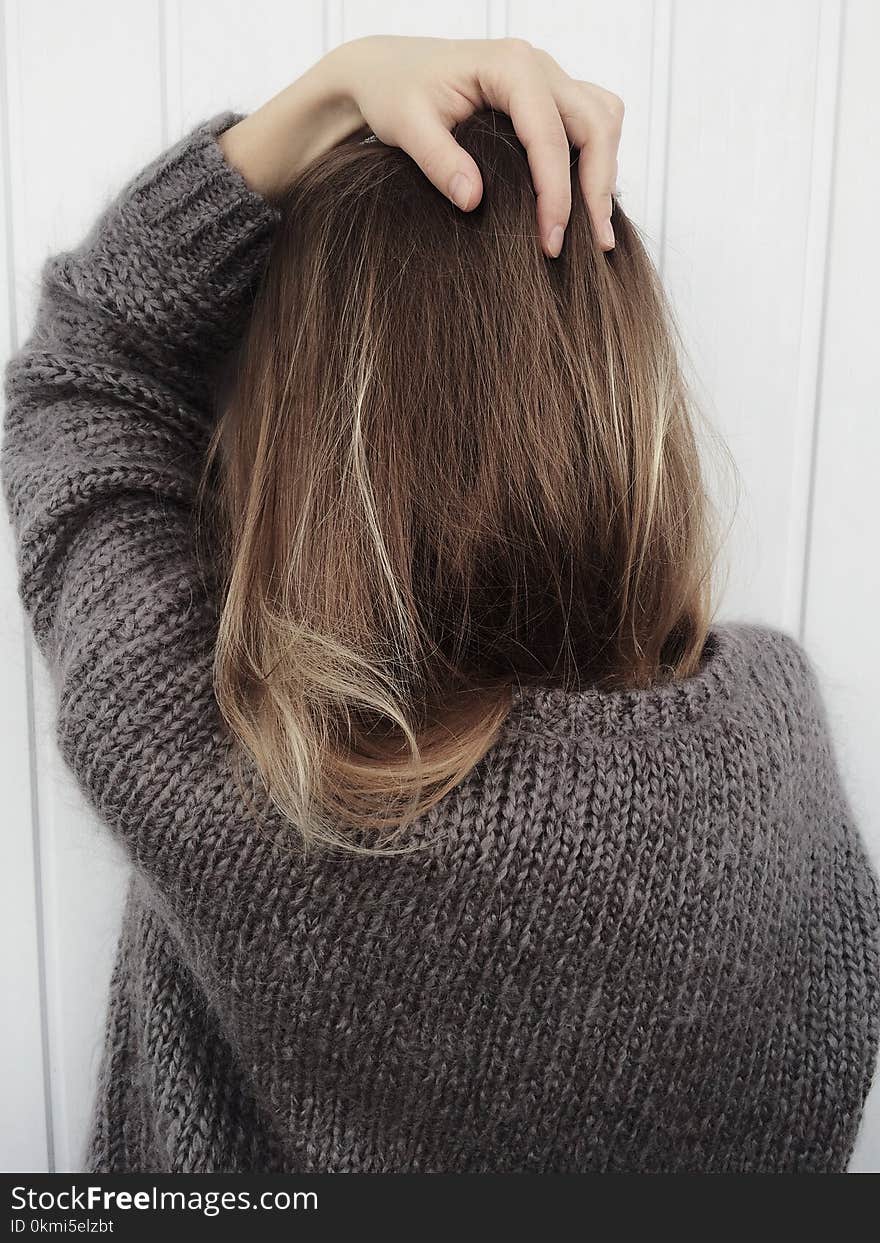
{"x": 107, "y": 418}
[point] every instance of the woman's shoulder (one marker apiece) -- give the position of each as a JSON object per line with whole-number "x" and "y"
{"x": 776, "y": 650}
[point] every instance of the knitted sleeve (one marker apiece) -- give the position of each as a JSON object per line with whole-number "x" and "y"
{"x": 839, "y": 926}
{"x": 108, "y": 413}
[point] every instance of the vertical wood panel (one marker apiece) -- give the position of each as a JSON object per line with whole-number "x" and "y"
{"x": 739, "y": 182}
{"x": 658, "y": 133}
{"x": 815, "y": 266}
{"x": 224, "y": 54}
{"x": 843, "y": 580}
{"x": 497, "y": 19}
{"x": 455, "y": 19}
{"x": 25, "y": 1140}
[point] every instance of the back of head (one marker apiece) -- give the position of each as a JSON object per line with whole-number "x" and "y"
{"x": 446, "y": 464}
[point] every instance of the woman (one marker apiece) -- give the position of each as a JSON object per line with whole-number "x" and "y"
{"x": 360, "y": 518}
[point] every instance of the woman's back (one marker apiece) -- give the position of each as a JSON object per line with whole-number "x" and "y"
{"x": 645, "y": 940}
{"x": 640, "y": 934}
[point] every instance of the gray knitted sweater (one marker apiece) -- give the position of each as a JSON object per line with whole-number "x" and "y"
{"x": 647, "y": 940}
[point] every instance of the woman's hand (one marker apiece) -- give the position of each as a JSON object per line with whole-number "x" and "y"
{"x": 412, "y": 92}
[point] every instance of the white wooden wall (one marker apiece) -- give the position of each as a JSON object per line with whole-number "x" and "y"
{"x": 750, "y": 156}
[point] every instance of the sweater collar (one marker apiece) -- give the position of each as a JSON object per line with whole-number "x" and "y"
{"x": 564, "y": 713}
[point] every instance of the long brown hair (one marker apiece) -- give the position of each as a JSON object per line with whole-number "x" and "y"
{"x": 445, "y": 464}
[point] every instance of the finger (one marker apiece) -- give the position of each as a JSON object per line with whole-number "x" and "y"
{"x": 597, "y": 178}
{"x": 593, "y": 120}
{"x": 539, "y": 127}
{"x": 447, "y": 165}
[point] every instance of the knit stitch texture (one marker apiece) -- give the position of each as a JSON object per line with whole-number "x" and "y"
{"x": 648, "y": 938}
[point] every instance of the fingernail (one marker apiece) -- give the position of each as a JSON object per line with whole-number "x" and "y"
{"x": 554, "y": 241}
{"x": 460, "y": 190}
{"x": 607, "y": 233}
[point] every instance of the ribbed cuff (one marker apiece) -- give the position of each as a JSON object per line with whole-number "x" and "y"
{"x": 194, "y": 214}
{"x": 192, "y": 169}
{"x": 176, "y": 256}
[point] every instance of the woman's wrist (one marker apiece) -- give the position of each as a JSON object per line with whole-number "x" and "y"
{"x": 271, "y": 145}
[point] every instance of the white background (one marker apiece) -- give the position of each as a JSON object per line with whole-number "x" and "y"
{"x": 750, "y": 158}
